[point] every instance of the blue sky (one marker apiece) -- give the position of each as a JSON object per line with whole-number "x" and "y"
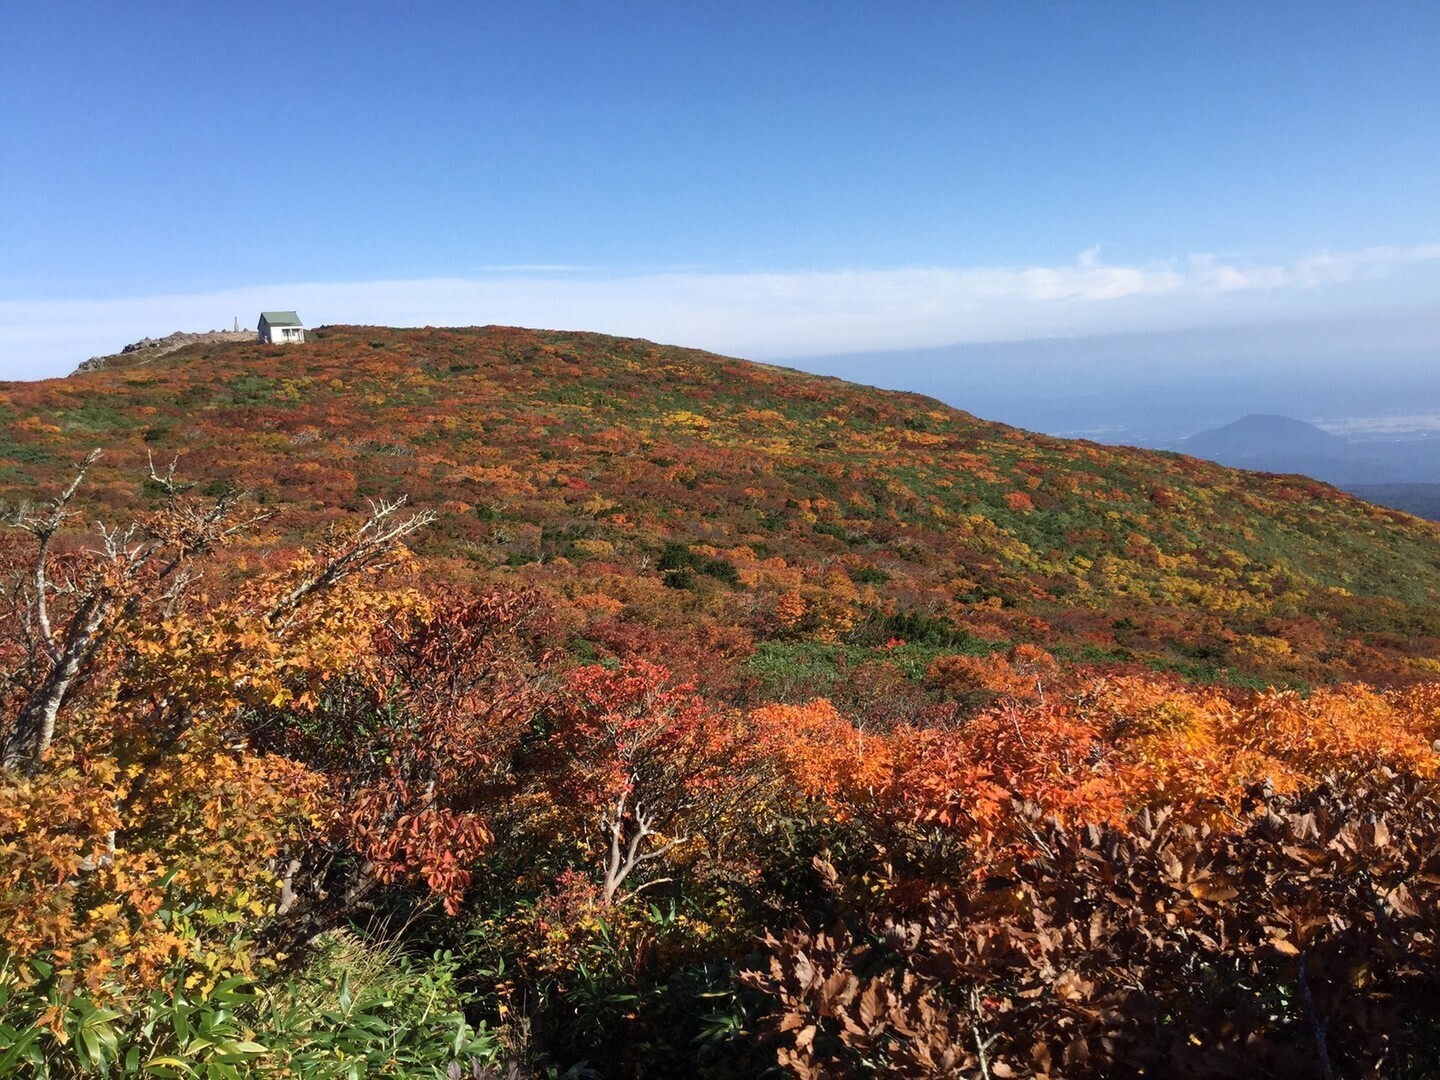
{"x": 776, "y": 180}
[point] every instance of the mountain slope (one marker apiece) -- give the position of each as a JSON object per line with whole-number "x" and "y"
{"x": 662, "y": 491}
{"x": 1422, "y": 500}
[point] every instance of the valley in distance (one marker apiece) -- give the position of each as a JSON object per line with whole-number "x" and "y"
{"x": 493, "y": 702}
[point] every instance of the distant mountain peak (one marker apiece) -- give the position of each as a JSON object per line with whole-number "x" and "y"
{"x": 1274, "y": 420}
{"x": 1265, "y": 434}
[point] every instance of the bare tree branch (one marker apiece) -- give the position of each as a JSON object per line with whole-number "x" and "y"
{"x": 377, "y": 538}
{"x": 618, "y": 865}
{"x": 43, "y": 528}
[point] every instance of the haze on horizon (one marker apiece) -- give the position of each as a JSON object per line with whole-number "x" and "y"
{"x": 1076, "y": 219}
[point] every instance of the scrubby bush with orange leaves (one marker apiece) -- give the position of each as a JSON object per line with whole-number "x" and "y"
{"x": 1132, "y": 877}
{"x": 1104, "y": 748}
{"x": 1019, "y": 675}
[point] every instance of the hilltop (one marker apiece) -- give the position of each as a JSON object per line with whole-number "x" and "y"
{"x": 148, "y": 349}
{"x": 787, "y": 521}
{"x": 692, "y": 657}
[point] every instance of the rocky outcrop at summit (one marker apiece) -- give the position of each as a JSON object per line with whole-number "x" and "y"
{"x": 147, "y": 349}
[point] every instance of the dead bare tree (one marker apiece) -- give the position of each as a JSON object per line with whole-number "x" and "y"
{"x": 626, "y": 837}
{"x": 64, "y": 610}
{"x": 98, "y": 589}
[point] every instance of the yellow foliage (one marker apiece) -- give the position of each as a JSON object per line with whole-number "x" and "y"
{"x": 686, "y": 419}
{"x": 594, "y": 549}
{"x": 1271, "y": 648}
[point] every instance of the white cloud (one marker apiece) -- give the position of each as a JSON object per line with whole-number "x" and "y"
{"x": 769, "y": 314}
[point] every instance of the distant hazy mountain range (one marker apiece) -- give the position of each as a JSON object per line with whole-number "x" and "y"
{"x": 1400, "y": 473}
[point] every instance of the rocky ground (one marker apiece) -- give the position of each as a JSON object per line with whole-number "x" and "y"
{"x": 147, "y": 349}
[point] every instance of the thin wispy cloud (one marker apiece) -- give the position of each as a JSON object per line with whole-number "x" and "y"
{"x": 535, "y": 268}
{"x": 764, "y": 314}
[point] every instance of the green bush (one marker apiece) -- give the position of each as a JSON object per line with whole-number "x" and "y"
{"x": 678, "y": 565}
{"x": 354, "y": 1011}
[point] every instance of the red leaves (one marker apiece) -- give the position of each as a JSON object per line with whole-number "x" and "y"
{"x": 437, "y": 845}
{"x": 650, "y": 763}
{"x": 417, "y": 743}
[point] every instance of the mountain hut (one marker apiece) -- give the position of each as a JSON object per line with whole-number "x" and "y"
{"x": 281, "y": 327}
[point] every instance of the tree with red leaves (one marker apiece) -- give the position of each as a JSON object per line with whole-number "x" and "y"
{"x": 648, "y": 764}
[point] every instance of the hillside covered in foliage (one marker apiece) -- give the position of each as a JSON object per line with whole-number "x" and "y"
{"x": 695, "y": 717}
{"x": 784, "y": 506}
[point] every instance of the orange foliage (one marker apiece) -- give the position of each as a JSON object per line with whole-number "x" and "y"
{"x": 100, "y": 859}
{"x": 1019, "y": 675}
{"x": 1100, "y": 753}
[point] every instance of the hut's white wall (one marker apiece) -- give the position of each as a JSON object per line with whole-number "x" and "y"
{"x": 281, "y": 335}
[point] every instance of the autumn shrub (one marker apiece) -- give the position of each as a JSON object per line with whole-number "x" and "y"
{"x": 156, "y": 834}
{"x": 648, "y": 767}
{"x": 571, "y": 824}
{"x": 1018, "y": 675}
{"x": 115, "y": 875}
{"x": 415, "y": 739}
{"x": 1300, "y": 940}
{"x": 1107, "y": 747}
{"x": 645, "y": 818}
